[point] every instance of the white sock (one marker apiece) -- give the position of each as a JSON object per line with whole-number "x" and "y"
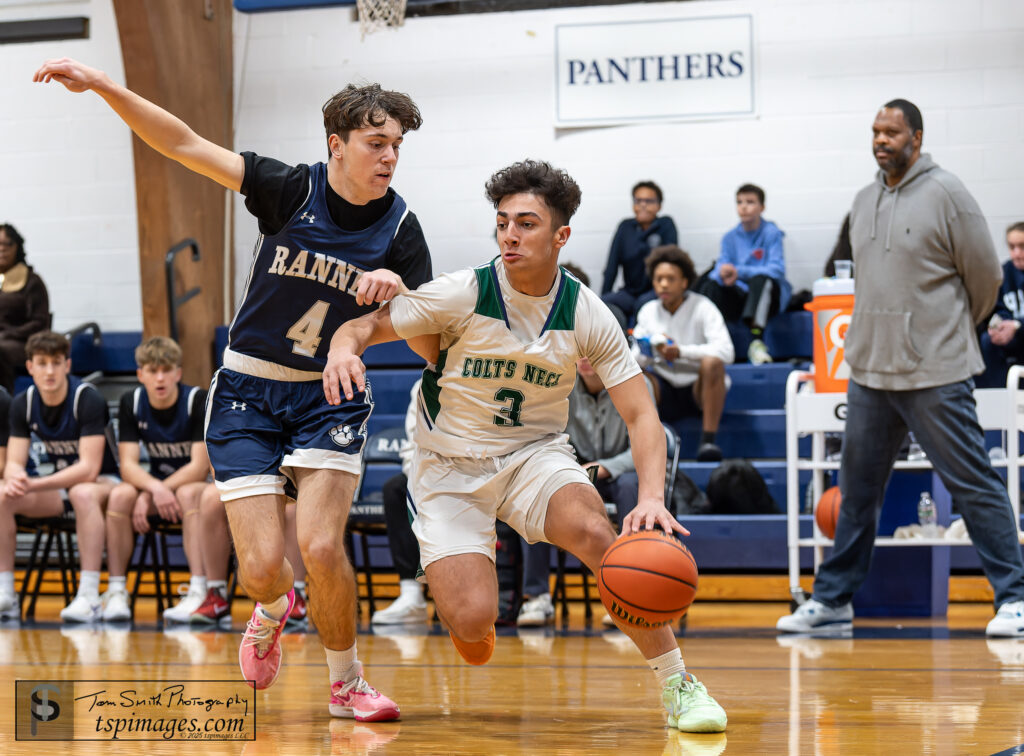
{"x": 666, "y": 665}
{"x": 410, "y": 588}
{"x": 116, "y": 583}
{"x": 6, "y": 582}
{"x": 275, "y": 610}
{"x": 300, "y": 587}
{"x": 342, "y": 665}
{"x": 89, "y": 583}
{"x": 197, "y": 584}
{"x": 220, "y": 586}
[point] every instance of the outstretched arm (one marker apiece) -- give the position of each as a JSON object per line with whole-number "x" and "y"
{"x": 344, "y": 367}
{"x": 164, "y": 132}
{"x": 647, "y": 439}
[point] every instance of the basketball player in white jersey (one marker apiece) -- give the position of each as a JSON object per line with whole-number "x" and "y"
{"x": 490, "y": 439}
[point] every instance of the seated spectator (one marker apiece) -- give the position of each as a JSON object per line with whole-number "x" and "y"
{"x": 634, "y": 239}
{"x": 410, "y": 606}
{"x": 1002, "y": 342}
{"x": 749, "y": 282}
{"x": 70, "y": 418}
{"x": 689, "y": 347}
{"x": 24, "y": 304}
{"x": 598, "y": 434}
{"x": 167, "y": 417}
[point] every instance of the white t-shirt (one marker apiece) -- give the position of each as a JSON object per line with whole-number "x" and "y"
{"x": 698, "y": 330}
{"x": 508, "y": 360}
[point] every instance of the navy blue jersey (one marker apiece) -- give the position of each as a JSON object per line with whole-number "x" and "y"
{"x": 1011, "y": 293}
{"x": 167, "y": 434}
{"x": 302, "y": 285}
{"x": 83, "y": 413}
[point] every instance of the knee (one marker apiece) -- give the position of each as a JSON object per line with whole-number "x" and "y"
{"x": 472, "y": 620}
{"x": 594, "y": 536}
{"x": 84, "y": 498}
{"x": 260, "y": 572}
{"x": 322, "y": 554}
{"x": 122, "y": 499}
{"x": 712, "y": 371}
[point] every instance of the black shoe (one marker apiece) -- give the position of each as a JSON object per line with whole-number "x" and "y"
{"x": 709, "y": 452}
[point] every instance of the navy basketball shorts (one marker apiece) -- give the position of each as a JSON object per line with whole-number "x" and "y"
{"x": 258, "y": 430}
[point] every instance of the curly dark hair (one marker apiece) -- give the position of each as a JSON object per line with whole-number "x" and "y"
{"x": 17, "y": 239}
{"x": 358, "y": 107}
{"x": 556, "y": 187}
{"x": 670, "y": 253}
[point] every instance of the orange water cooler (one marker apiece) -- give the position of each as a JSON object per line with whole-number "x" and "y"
{"x": 832, "y": 309}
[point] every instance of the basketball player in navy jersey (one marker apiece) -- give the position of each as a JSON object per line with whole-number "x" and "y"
{"x": 70, "y": 418}
{"x": 334, "y": 241}
{"x": 167, "y": 417}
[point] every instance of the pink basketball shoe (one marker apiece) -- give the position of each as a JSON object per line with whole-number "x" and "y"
{"x": 359, "y": 700}
{"x": 259, "y": 656}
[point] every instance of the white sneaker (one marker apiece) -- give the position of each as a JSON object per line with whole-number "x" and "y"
{"x": 83, "y": 609}
{"x": 182, "y": 611}
{"x": 408, "y": 608}
{"x": 537, "y": 612}
{"x": 813, "y": 616}
{"x": 757, "y": 353}
{"x": 9, "y": 606}
{"x": 1008, "y": 622}
{"x": 115, "y": 606}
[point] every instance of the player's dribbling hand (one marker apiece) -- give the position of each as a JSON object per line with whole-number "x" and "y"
{"x": 72, "y": 74}
{"x": 343, "y": 369}
{"x": 650, "y": 514}
{"x": 378, "y": 286}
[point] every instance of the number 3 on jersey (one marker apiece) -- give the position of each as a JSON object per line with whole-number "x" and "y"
{"x": 509, "y": 415}
{"x": 305, "y": 332}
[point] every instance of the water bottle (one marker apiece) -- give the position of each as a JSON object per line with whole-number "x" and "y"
{"x": 927, "y": 516}
{"x": 914, "y": 451}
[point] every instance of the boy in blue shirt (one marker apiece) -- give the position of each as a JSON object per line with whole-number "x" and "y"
{"x": 749, "y": 280}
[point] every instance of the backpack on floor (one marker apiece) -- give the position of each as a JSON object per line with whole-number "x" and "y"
{"x": 736, "y": 487}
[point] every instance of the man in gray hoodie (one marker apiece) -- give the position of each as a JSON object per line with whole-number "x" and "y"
{"x": 927, "y": 273}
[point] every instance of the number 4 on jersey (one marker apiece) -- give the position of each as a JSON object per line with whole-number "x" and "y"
{"x": 305, "y": 332}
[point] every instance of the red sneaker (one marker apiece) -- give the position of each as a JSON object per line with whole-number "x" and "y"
{"x": 213, "y": 609}
{"x": 259, "y": 655}
{"x": 298, "y": 613}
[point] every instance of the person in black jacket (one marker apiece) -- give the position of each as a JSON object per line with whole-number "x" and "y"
{"x": 24, "y": 303}
{"x": 634, "y": 239}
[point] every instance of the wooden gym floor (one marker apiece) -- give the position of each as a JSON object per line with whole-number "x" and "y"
{"x": 895, "y": 687}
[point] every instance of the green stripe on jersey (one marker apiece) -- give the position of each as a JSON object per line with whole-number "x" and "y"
{"x": 430, "y": 388}
{"x": 563, "y": 316}
{"x": 488, "y": 302}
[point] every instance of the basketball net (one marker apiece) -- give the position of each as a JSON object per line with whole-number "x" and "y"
{"x": 374, "y": 15}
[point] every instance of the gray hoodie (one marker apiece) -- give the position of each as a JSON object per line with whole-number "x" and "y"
{"x": 927, "y": 273}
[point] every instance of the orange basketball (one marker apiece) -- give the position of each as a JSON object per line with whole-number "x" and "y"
{"x": 827, "y": 512}
{"x": 647, "y": 579}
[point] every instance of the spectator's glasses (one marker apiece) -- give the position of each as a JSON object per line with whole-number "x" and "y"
{"x": 645, "y": 201}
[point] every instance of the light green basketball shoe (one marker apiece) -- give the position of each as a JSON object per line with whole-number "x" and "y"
{"x": 690, "y": 707}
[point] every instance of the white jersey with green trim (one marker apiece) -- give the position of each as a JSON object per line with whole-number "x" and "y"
{"x": 508, "y": 360}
